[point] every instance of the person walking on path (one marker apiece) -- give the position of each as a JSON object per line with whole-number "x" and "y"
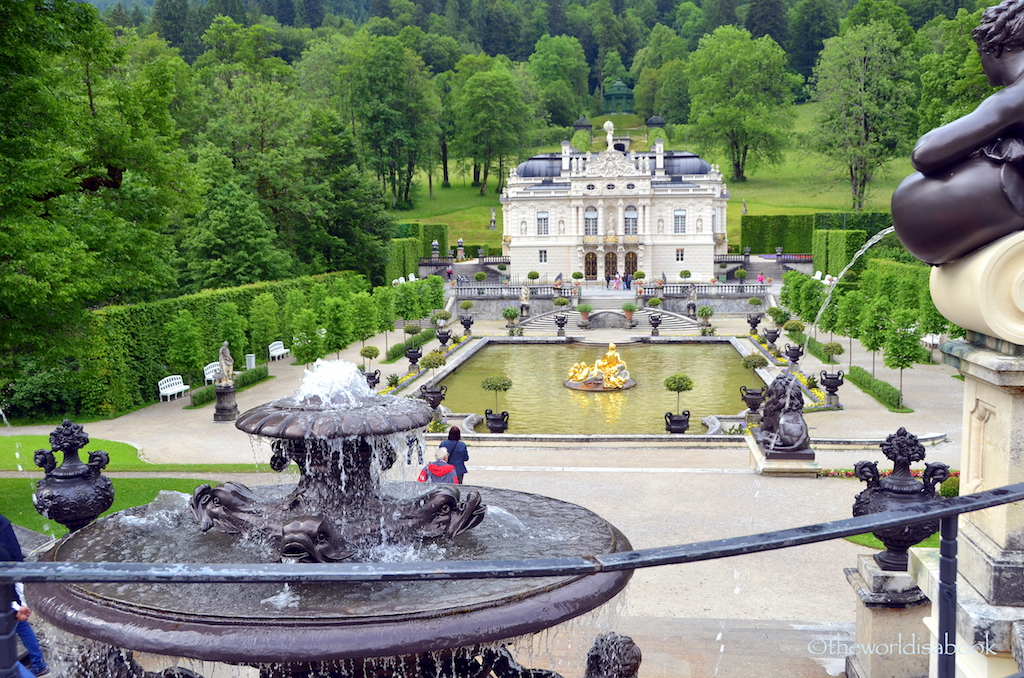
{"x": 760, "y": 278}
{"x": 9, "y": 542}
{"x": 458, "y": 453}
{"x": 439, "y": 471}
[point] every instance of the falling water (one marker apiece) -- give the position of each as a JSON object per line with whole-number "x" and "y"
{"x": 828, "y": 299}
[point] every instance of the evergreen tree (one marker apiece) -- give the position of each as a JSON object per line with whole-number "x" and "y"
{"x": 231, "y": 243}
{"x": 136, "y": 18}
{"x": 116, "y": 16}
{"x": 285, "y": 12}
{"x": 768, "y": 17}
{"x": 814, "y": 21}
{"x": 690, "y": 24}
{"x": 169, "y": 18}
{"x": 556, "y": 17}
{"x": 312, "y": 13}
{"x": 719, "y": 13}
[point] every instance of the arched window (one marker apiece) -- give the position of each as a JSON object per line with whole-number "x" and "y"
{"x": 631, "y": 221}
{"x": 590, "y": 222}
{"x": 631, "y": 262}
{"x": 590, "y": 266}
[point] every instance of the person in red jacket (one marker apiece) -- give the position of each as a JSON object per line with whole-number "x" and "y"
{"x": 439, "y": 471}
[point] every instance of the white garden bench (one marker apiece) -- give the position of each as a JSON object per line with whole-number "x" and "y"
{"x": 172, "y": 386}
{"x": 211, "y": 371}
{"x": 277, "y": 350}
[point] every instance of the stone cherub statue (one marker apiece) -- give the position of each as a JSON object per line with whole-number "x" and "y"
{"x": 968, "y": 190}
{"x": 609, "y": 128}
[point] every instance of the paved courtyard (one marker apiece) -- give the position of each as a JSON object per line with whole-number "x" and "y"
{"x": 758, "y": 615}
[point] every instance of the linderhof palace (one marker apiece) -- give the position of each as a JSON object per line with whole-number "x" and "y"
{"x": 616, "y": 211}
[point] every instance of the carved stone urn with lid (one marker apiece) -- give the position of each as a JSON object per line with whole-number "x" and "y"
{"x": 75, "y": 493}
{"x": 899, "y": 490}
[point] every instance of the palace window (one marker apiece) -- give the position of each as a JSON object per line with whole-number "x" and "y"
{"x": 543, "y": 256}
{"x": 631, "y": 221}
{"x": 542, "y": 223}
{"x": 679, "y": 255}
{"x": 590, "y": 221}
{"x": 714, "y": 220}
{"x": 679, "y": 222}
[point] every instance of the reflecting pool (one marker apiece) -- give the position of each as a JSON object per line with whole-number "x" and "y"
{"x": 539, "y": 403}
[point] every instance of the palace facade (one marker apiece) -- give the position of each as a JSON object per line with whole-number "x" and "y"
{"x": 614, "y": 212}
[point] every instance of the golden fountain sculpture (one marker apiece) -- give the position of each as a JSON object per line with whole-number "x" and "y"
{"x": 608, "y": 373}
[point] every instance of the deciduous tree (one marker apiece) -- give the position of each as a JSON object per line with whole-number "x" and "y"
{"x": 864, "y": 82}
{"x": 491, "y": 119}
{"x": 741, "y": 97}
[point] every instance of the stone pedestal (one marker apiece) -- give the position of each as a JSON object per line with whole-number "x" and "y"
{"x": 890, "y": 613}
{"x": 991, "y": 553}
{"x": 752, "y": 418}
{"x": 226, "y": 409}
{"x": 778, "y": 465}
{"x": 831, "y": 401}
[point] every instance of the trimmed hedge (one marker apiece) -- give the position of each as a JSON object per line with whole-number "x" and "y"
{"x": 833, "y": 249}
{"x": 882, "y": 391}
{"x": 869, "y": 222}
{"x": 403, "y": 258}
{"x": 425, "y": 234}
{"x": 762, "y": 234}
{"x": 396, "y": 351}
{"x": 902, "y": 284}
{"x": 819, "y": 250}
{"x": 814, "y": 347}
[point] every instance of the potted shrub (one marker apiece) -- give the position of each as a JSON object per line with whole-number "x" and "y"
{"x": 629, "y": 308}
{"x": 678, "y": 423}
{"x": 532, "y": 276}
{"x": 585, "y": 310}
{"x": 412, "y": 330}
{"x": 639, "y": 275}
{"x": 685, "y": 274}
{"x": 741, "y": 275}
{"x": 576, "y": 275}
{"x": 561, "y": 301}
{"x": 653, "y": 302}
{"x": 793, "y": 326}
{"x": 441, "y": 318}
{"x": 466, "y": 305}
{"x": 502, "y": 267}
{"x": 510, "y": 313}
{"x": 499, "y": 383}
{"x": 704, "y": 313}
{"x": 368, "y": 353}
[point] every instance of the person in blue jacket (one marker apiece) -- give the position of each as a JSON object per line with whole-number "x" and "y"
{"x": 458, "y": 453}
{"x": 10, "y": 544}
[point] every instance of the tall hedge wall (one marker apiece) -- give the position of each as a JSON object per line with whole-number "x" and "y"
{"x": 871, "y": 222}
{"x": 762, "y": 234}
{"x": 403, "y": 258}
{"x": 902, "y": 284}
{"x": 124, "y": 346}
{"x": 426, "y": 234}
{"x": 842, "y": 245}
{"x": 819, "y": 250}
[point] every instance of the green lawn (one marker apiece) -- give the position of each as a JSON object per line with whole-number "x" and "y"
{"x": 803, "y": 183}
{"x": 16, "y": 454}
{"x": 16, "y": 498}
{"x": 869, "y": 540}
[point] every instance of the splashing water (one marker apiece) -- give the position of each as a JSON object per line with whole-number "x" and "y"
{"x": 828, "y": 299}
{"x": 337, "y": 382}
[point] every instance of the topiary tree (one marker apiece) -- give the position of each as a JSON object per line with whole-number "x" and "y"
{"x": 873, "y": 326}
{"x": 793, "y": 326}
{"x": 755, "y": 301}
{"x": 510, "y": 313}
{"x": 533, "y": 275}
{"x": 561, "y": 301}
{"x": 480, "y": 276}
{"x": 440, "y": 315}
{"x": 368, "y": 353}
{"x": 654, "y": 302}
{"x": 498, "y": 382}
{"x": 433, "y": 360}
{"x": 848, "y": 317}
{"x": 741, "y": 274}
{"x": 337, "y": 325}
{"x": 902, "y": 342}
{"x": 412, "y": 330}
{"x": 678, "y": 383}
{"x": 384, "y": 299}
{"x": 832, "y": 349}
{"x": 639, "y": 275}
{"x": 364, "y": 317}
{"x": 576, "y": 275}
{"x": 685, "y": 274}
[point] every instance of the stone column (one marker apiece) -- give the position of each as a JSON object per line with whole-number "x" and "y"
{"x": 991, "y": 554}
{"x": 890, "y": 613}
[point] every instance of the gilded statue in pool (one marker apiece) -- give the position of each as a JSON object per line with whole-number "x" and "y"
{"x": 607, "y": 373}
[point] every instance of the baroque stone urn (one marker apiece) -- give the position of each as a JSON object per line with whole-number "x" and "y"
{"x": 560, "y": 321}
{"x": 794, "y": 353}
{"x": 497, "y": 422}
{"x": 677, "y": 423}
{"x": 433, "y": 396}
{"x": 753, "y": 397}
{"x": 467, "y": 322}
{"x": 899, "y": 490}
{"x": 372, "y": 378}
{"x": 413, "y": 354}
{"x": 770, "y": 336}
{"x": 443, "y": 335}
{"x": 75, "y": 493}
{"x": 831, "y": 383}
{"x": 655, "y": 320}
{"x": 754, "y": 319}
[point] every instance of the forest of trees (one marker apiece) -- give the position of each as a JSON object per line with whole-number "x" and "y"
{"x": 149, "y": 151}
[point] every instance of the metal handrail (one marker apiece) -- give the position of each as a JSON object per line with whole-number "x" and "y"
{"x": 947, "y": 511}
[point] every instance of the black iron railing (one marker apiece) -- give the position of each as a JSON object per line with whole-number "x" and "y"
{"x": 946, "y": 511}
